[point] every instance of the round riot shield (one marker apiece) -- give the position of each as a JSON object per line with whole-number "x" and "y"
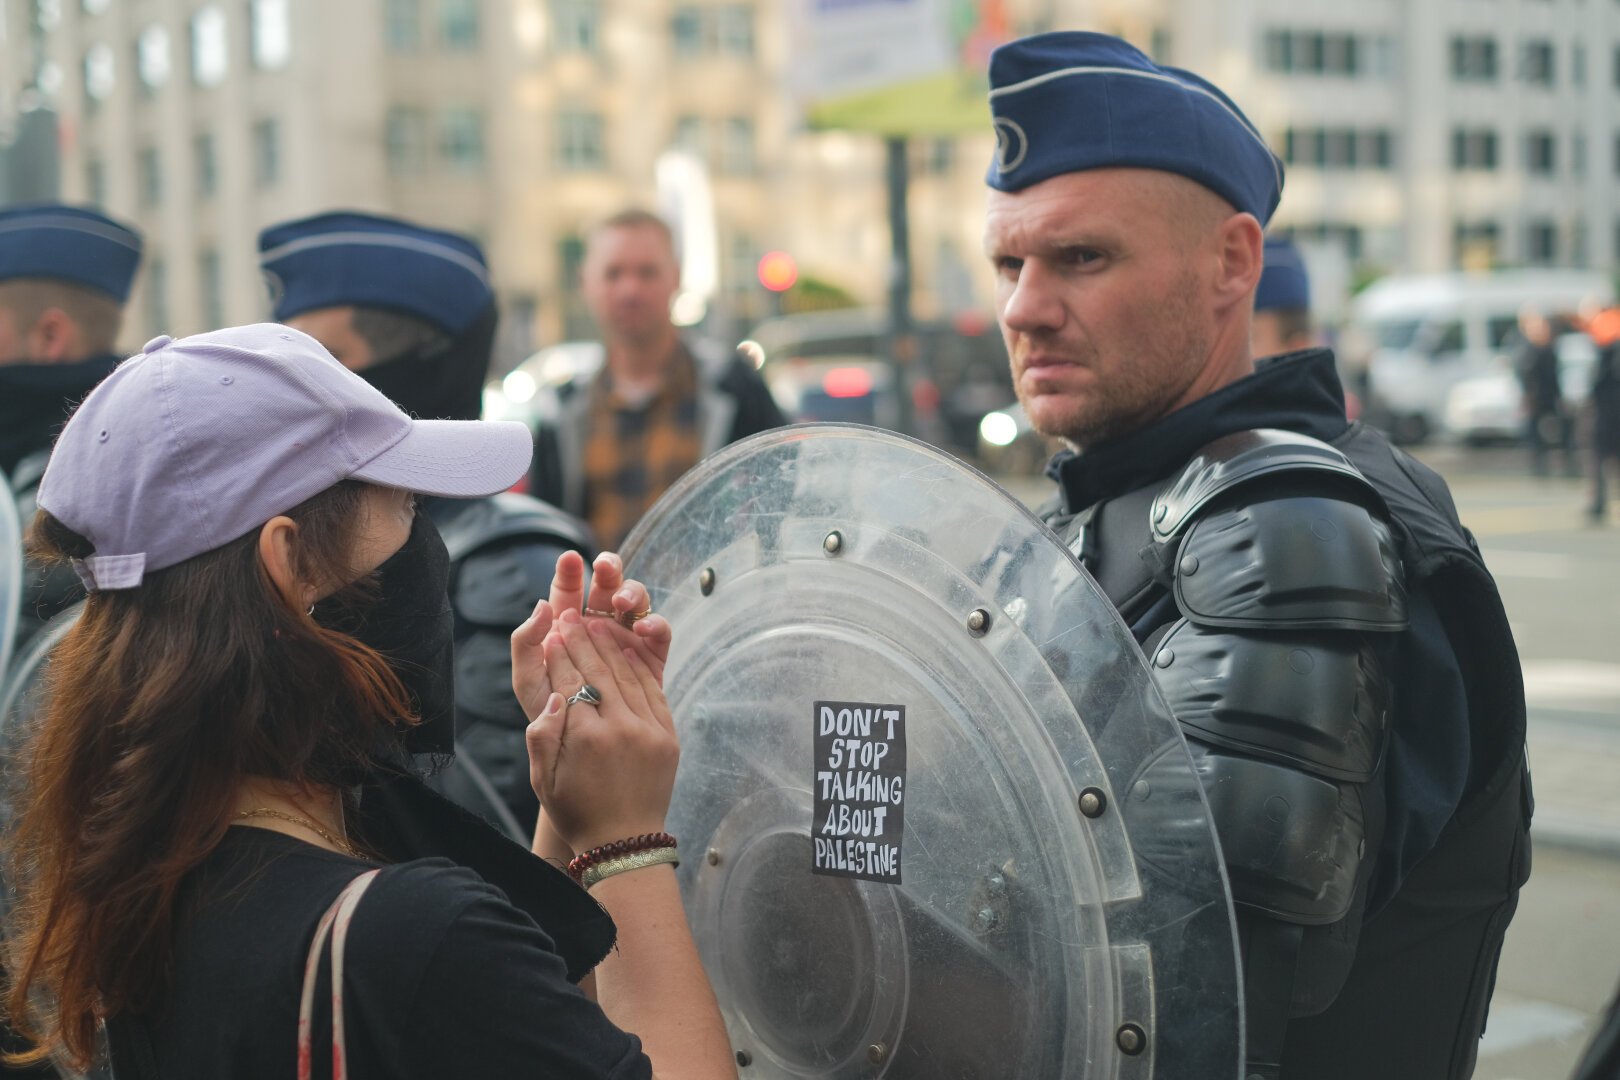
{"x": 11, "y": 573}
{"x": 935, "y": 819}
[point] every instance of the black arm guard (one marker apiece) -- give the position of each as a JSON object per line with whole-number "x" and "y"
{"x": 503, "y": 551}
{"x": 1290, "y": 594}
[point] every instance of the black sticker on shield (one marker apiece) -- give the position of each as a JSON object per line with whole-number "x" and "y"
{"x": 860, "y": 788}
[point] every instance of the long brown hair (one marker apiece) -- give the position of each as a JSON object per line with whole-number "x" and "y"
{"x": 160, "y": 701}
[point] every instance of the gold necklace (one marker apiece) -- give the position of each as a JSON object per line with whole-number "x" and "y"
{"x": 266, "y": 811}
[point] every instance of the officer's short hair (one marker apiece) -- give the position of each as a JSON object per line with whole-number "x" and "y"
{"x": 1291, "y": 322}
{"x": 635, "y": 218}
{"x": 392, "y": 334}
{"x": 98, "y": 316}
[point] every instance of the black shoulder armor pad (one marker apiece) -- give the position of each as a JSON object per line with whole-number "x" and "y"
{"x": 1314, "y": 700}
{"x": 1237, "y": 459}
{"x": 475, "y": 523}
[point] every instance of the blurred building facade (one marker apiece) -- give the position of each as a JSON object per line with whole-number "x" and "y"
{"x": 1419, "y": 135}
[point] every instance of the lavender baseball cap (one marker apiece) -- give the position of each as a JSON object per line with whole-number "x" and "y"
{"x": 198, "y": 441}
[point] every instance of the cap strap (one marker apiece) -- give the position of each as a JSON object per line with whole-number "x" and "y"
{"x": 102, "y": 572}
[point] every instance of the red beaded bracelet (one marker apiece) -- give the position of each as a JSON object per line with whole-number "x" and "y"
{"x": 617, "y": 850}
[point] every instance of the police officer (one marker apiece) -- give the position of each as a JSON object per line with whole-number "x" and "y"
{"x": 65, "y": 274}
{"x": 411, "y": 310}
{"x": 1282, "y": 302}
{"x": 1322, "y": 625}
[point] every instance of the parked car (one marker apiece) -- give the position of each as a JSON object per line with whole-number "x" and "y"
{"x": 1490, "y": 408}
{"x": 1427, "y": 334}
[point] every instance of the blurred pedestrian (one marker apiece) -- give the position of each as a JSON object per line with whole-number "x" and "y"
{"x": 65, "y": 274}
{"x": 1249, "y": 534}
{"x": 1282, "y": 302}
{"x": 185, "y": 858}
{"x": 612, "y": 440}
{"x": 1547, "y": 420}
{"x": 412, "y": 311}
{"x": 1605, "y": 404}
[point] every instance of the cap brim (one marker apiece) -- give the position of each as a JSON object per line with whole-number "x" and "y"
{"x": 459, "y": 459}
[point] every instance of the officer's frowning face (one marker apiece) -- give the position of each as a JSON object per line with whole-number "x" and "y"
{"x": 1109, "y": 294}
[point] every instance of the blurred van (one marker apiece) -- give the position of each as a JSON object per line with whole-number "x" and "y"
{"x": 1425, "y": 334}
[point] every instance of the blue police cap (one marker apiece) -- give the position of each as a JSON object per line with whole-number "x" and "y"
{"x": 69, "y": 243}
{"x": 1071, "y": 101}
{"x": 1284, "y": 282}
{"x": 346, "y": 258}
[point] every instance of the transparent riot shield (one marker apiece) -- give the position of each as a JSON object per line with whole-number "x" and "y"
{"x": 11, "y": 573}
{"x": 936, "y": 820}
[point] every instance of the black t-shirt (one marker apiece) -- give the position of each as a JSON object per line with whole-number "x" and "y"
{"x": 443, "y": 978}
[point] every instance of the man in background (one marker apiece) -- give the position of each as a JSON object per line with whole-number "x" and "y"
{"x": 411, "y": 310}
{"x": 1547, "y": 421}
{"x": 612, "y": 440}
{"x": 65, "y": 274}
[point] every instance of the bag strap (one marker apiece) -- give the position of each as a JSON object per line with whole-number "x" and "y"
{"x": 334, "y": 925}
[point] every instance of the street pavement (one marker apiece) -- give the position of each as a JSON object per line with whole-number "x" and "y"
{"x": 1560, "y": 581}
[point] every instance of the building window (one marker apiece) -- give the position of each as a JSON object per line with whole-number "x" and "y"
{"x": 737, "y": 146}
{"x": 1473, "y": 148}
{"x": 402, "y": 24}
{"x": 1339, "y": 148}
{"x": 95, "y": 182}
{"x": 1475, "y": 243}
{"x": 1311, "y": 52}
{"x": 691, "y": 134}
{"x": 1577, "y": 65}
{"x": 407, "y": 140}
{"x": 1536, "y": 63}
{"x": 1378, "y": 149}
{"x": 271, "y": 39}
{"x": 734, "y": 29}
{"x": 210, "y": 279}
{"x": 463, "y": 139}
{"x": 579, "y": 141}
{"x": 1473, "y": 59}
{"x": 157, "y": 294}
{"x": 1541, "y": 243}
{"x": 152, "y": 57}
{"x": 99, "y": 74}
{"x": 1617, "y": 155}
{"x": 210, "y": 50}
{"x": 207, "y": 165}
{"x": 1577, "y": 155}
{"x": 1541, "y": 153}
{"x": 686, "y": 28}
{"x": 1278, "y": 49}
{"x": 266, "y": 152}
{"x": 149, "y": 175}
{"x": 574, "y": 25}
{"x": 458, "y": 24}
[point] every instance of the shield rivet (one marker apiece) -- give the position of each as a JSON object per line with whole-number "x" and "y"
{"x": 834, "y": 543}
{"x": 1189, "y": 564}
{"x": 978, "y": 622}
{"x": 1161, "y": 512}
{"x": 744, "y": 1059}
{"x": 877, "y": 1053}
{"x": 1164, "y": 658}
{"x": 706, "y": 580}
{"x": 1131, "y": 1038}
{"x": 1093, "y": 802}
{"x": 714, "y": 856}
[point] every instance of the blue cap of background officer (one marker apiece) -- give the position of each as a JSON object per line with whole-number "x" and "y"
{"x": 409, "y": 308}
{"x": 65, "y": 273}
{"x": 1282, "y": 302}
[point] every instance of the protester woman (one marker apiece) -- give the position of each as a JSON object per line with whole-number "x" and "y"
{"x": 263, "y": 620}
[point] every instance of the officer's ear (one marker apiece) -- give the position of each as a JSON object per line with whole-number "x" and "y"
{"x": 1240, "y": 248}
{"x": 54, "y": 338}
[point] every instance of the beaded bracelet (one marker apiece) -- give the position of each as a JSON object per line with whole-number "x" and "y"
{"x": 634, "y": 845}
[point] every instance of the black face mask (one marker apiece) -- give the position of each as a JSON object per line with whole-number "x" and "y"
{"x": 440, "y": 383}
{"x": 412, "y": 625}
{"x": 35, "y": 400}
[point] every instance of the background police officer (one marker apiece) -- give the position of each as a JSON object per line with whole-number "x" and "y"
{"x": 1321, "y": 623}
{"x": 1282, "y": 302}
{"x": 65, "y": 273}
{"x": 411, "y": 310}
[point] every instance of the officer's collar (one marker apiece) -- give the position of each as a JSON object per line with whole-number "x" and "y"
{"x": 1298, "y": 391}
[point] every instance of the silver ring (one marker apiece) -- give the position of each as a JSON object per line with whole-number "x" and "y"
{"x": 587, "y": 695}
